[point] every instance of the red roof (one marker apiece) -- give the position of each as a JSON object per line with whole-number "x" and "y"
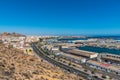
{"x": 105, "y": 65}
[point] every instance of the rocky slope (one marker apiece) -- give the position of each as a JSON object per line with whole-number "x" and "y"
{"x": 17, "y": 66}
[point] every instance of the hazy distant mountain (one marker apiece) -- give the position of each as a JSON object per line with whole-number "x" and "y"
{"x": 12, "y": 34}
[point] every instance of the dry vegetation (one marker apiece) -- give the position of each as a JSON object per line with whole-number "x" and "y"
{"x": 17, "y": 66}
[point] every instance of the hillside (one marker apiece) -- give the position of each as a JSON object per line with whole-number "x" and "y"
{"x": 12, "y": 34}
{"x": 17, "y": 66}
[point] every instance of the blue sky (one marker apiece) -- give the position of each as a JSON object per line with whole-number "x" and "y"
{"x": 59, "y": 17}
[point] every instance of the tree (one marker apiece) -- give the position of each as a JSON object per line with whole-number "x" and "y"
{"x": 103, "y": 76}
{"x": 54, "y": 56}
{"x": 93, "y": 72}
{"x": 26, "y": 51}
{"x": 69, "y": 63}
{"x": 40, "y": 39}
{"x": 30, "y": 50}
{"x": 85, "y": 70}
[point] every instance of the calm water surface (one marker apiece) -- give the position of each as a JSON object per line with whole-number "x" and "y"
{"x": 100, "y": 50}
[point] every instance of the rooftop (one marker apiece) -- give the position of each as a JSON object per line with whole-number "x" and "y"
{"x": 105, "y": 65}
{"x": 112, "y": 57}
{"x": 72, "y": 56}
{"x": 81, "y": 52}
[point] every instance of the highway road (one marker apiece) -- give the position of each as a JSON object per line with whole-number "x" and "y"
{"x": 65, "y": 67}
